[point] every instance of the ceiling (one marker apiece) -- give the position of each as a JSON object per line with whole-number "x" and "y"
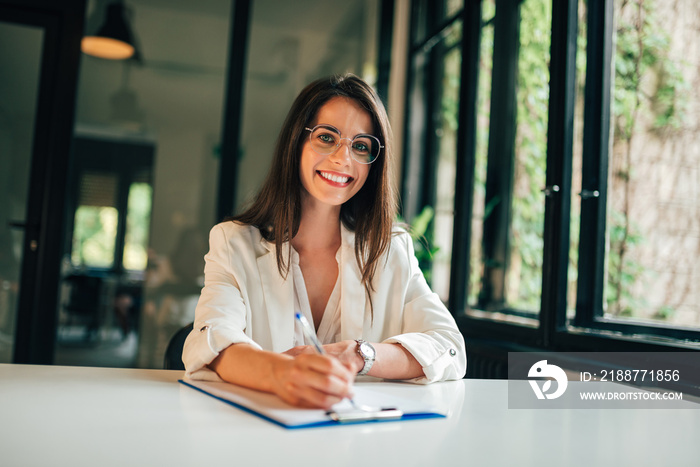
{"x": 321, "y": 15}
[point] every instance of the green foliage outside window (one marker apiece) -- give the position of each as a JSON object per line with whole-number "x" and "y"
{"x": 642, "y": 47}
{"x": 642, "y": 50}
{"x": 137, "y": 226}
{"x": 420, "y": 231}
{"x": 527, "y": 223}
{"x": 95, "y": 232}
{"x": 94, "y": 236}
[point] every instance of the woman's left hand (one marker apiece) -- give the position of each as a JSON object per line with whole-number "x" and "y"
{"x": 345, "y": 351}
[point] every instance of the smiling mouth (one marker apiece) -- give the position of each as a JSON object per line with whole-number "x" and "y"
{"x": 335, "y": 178}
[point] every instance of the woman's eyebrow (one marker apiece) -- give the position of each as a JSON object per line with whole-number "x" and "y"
{"x": 331, "y": 127}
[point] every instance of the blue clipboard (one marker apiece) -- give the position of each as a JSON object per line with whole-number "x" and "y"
{"x": 269, "y": 407}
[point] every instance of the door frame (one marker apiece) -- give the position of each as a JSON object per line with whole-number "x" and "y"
{"x": 35, "y": 332}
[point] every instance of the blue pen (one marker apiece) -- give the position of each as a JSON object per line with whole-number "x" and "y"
{"x": 309, "y": 333}
{"x": 312, "y": 337}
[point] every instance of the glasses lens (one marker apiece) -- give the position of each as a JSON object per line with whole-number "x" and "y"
{"x": 365, "y": 149}
{"x": 324, "y": 141}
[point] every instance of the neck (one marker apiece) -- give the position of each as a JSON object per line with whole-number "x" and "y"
{"x": 319, "y": 227}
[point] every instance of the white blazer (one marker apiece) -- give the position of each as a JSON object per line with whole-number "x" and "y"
{"x": 245, "y": 299}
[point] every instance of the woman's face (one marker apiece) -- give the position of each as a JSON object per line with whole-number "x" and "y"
{"x": 335, "y": 178}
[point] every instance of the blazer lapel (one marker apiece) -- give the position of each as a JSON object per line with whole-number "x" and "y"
{"x": 352, "y": 292}
{"x": 279, "y": 299}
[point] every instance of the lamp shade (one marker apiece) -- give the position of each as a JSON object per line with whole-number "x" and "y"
{"x": 114, "y": 39}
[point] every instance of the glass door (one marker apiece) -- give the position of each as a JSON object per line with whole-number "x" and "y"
{"x": 20, "y": 64}
{"x": 146, "y": 151}
{"x": 39, "y": 47}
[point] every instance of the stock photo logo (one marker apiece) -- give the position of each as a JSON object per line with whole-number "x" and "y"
{"x": 542, "y": 369}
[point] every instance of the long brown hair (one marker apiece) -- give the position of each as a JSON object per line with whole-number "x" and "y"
{"x": 276, "y": 210}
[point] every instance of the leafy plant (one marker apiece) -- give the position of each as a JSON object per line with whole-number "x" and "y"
{"x": 665, "y": 312}
{"x": 624, "y": 270}
{"x": 421, "y": 234}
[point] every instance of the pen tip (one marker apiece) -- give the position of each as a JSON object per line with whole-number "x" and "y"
{"x": 298, "y": 315}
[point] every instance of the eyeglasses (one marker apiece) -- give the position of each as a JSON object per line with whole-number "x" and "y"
{"x": 326, "y": 140}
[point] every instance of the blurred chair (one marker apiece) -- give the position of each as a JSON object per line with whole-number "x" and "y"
{"x": 85, "y": 300}
{"x": 173, "y": 353}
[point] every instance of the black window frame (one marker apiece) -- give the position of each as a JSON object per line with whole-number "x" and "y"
{"x": 589, "y": 296}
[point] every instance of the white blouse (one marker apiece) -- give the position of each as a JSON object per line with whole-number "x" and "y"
{"x": 329, "y": 328}
{"x": 246, "y": 300}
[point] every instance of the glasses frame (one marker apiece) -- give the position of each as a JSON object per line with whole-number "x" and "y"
{"x": 337, "y": 146}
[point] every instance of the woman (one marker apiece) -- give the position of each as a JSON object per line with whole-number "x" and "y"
{"x": 319, "y": 240}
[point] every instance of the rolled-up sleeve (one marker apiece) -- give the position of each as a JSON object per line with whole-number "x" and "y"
{"x": 221, "y": 313}
{"x": 429, "y": 332}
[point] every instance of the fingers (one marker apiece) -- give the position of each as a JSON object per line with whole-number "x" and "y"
{"x": 298, "y": 350}
{"x": 322, "y": 374}
{"x": 346, "y": 352}
{"x": 305, "y": 396}
{"x": 293, "y": 352}
{"x": 315, "y": 381}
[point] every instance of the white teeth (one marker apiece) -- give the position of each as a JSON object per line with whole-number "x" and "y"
{"x": 335, "y": 178}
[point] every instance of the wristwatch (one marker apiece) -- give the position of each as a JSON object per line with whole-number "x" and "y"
{"x": 367, "y": 353}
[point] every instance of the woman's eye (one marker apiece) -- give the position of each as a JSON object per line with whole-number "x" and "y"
{"x": 361, "y": 147}
{"x": 326, "y": 138}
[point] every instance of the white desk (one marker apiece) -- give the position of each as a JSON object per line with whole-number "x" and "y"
{"x": 71, "y": 416}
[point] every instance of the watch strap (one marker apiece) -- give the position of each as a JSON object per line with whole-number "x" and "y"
{"x": 369, "y": 359}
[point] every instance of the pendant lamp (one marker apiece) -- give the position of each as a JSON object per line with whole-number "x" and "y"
{"x": 114, "y": 40}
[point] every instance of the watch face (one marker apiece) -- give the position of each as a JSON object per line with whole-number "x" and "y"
{"x": 367, "y": 350}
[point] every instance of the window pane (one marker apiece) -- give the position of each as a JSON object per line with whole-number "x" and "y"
{"x": 430, "y": 16}
{"x": 94, "y": 236}
{"x": 482, "y": 140}
{"x": 653, "y": 212}
{"x": 428, "y": 201}
{"x": 164, "y": 115}
{"x": 508, "y": 212}
{"x": 453, "y": 7}
{"x": 20, "y": 67}
{"x": 576, "y": 180}
{"x": 524, "y": 273}
{"x": 95, "y": 223}
{"x": 416, "y": 135}
{"x": 138, "y": 217}
{"x": 446, "y": 141}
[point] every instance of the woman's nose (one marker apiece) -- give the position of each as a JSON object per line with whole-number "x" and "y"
{"x": 344, "y": 152}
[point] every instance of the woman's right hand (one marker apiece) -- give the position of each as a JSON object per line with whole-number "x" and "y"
{"x": 312, "y": 380}
{"x": 303, "y": 380}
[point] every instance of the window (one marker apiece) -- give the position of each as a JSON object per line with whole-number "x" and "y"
{"x": 644, "y": 187}
{"x": 513, "y": 154}
{"x": 434, "y": 83}
{"x": 555, "y": 147}
{"x": 483, "y": 112}
{"x": 138, "y": 217}
{"x": 113, "y": 205}
{"x": 97, "y": 216}
{"x": 106, "y": 249}
{"x": 95, "y": 224}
